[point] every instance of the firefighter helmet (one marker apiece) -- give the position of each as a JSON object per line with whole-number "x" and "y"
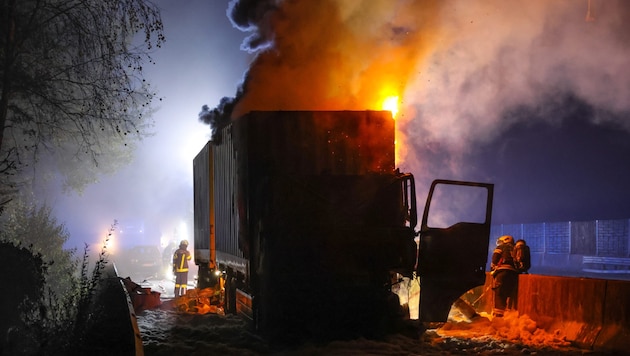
{"x": 184, "y": 243}
{"x": 506, "y": 239}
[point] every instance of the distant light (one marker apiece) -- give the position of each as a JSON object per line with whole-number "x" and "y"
{"x": 109, "y": 244}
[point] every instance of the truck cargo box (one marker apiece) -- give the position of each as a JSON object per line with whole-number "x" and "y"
{"x": 261, "y": 144}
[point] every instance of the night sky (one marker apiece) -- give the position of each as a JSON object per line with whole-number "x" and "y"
{"x": 524, "y": 94}
{"x": 570, "y": 170}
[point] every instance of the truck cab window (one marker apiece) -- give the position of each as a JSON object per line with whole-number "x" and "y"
{"x": 451, "y": 204}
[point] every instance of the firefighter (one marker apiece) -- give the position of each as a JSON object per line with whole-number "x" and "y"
{"x": 180, "y": 268}
{"x": 504, "y": 273}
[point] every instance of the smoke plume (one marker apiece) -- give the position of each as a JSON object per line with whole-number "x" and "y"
{"x": 463, "y": 69}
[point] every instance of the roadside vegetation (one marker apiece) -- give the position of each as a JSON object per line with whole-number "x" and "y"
{"x": 74, "y": 101}
{"x": 48, "y": 303}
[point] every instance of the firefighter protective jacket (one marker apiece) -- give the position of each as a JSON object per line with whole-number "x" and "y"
{"x": 180, "y": 260}
{"x": 502, "y": 258}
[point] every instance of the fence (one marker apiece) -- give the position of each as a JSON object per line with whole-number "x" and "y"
{"x": 567, "y": 248}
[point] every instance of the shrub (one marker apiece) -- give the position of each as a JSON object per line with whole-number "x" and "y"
{"x": 50, "y": 306}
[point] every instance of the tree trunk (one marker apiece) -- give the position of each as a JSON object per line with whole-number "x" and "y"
{"x": 8, "y": 63}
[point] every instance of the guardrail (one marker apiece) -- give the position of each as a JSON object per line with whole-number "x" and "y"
{"x": 121, "y": 315}
{"x": 601, "y": 264}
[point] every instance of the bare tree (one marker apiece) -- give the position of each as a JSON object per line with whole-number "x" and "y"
{"x": 71, "y": 85}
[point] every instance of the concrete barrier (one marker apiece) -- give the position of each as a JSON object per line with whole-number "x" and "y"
{"x": 572, "y": 305}
{"x": 122, "y": 325}
{"x": 592, "y": 313}
{"x": 615, "y": 332}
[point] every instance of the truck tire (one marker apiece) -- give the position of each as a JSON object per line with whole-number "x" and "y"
{"x": 207, "y": 278}
{"x": 230, "y": 291}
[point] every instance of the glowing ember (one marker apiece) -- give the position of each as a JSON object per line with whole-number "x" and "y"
{"x": 391, "y": 104}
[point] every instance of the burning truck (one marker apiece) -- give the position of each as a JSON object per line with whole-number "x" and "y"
{"x": 304, "y": 222}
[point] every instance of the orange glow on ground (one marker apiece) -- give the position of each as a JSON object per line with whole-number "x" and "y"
{"x": 201, "y": 301}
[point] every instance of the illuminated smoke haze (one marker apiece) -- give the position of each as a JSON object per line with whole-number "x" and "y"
{"x": 475, "y": 79}
{"x": 200, "y": 62}
{"x": 525, "y": 94}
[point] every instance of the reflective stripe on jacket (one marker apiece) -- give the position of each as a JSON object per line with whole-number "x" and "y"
{"x": 180, "y": 260}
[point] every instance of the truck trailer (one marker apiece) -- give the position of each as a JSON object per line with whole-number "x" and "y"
{"x": 309, "y": 223}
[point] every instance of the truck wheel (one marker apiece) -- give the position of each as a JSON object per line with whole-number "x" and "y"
{"x": 207, "y": 278}
{"x": 202, "y": 282}
{"x": 230, "y": 292}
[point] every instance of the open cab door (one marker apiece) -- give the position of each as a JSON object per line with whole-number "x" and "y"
{"x": 454, "y": 239}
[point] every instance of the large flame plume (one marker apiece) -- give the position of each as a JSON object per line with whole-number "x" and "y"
{"x": 458, "y": 67}
{"x": 327, "y": 55}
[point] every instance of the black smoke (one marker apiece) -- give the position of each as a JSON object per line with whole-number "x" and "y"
{"x": 253, "y": 16}
{"x": 248, "y": 16}
{"x": 218, "y": 117}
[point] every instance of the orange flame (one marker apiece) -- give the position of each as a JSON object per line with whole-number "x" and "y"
{"x": 390, "y": 103}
